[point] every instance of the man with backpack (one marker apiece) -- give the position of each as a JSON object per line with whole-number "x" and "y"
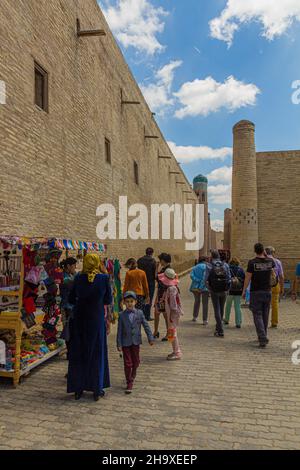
{"x": 277, "y": 286}
{"x": 218, "y": 281}
{"x": 260, "y": 272}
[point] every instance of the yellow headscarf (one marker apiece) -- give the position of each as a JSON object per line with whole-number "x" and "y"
{"x": 91, "y": 266}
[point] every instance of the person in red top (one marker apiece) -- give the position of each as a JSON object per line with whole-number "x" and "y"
{"x": 136, "y": 281}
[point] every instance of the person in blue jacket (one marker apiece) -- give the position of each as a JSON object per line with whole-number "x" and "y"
{"x": 200, "y": 290}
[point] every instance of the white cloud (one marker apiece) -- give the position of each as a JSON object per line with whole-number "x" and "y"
{"x": 158, "y": 95}
{"x": 190, "y": 154}
{"x": 221, "y": 175}
{"x": 214, "y": 211}
{"x": 136, "y": 23}
{"x": 219, "y": 194}
{"x": 202, "y": 97}
{"x": 276, "y": 17}
{"x": 218, "y": 225}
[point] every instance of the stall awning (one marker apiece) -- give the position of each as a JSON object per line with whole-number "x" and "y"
{"x": 59, "y": 243}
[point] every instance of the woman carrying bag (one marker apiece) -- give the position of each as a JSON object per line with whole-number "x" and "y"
{"x": 235, "y": 293}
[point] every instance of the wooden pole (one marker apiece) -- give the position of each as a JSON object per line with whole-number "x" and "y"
{"x": 89, "y": 32}
{"x": 95, "y": 32}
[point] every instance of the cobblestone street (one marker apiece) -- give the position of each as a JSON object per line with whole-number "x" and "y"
{"x": 224, "y": 394}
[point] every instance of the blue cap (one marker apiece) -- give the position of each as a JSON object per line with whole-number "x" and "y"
{"x": 129, "y": 294}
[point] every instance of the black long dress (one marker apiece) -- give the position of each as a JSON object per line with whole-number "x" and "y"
{"x": 88, "y": 357}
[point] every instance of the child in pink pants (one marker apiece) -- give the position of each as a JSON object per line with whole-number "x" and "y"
{"x": 173, "y": 309}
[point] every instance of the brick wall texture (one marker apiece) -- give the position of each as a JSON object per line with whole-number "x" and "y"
{"x": 53, "y": 168}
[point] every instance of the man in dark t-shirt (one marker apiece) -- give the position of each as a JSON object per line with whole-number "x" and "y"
{"x": 148, "y": 264}
{"x": 259, "y": 273}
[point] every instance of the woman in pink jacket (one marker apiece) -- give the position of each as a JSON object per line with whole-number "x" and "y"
{"x": 173, "y": 308}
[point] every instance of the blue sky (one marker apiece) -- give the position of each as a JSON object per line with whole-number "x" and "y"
{"x": 183, "y": 53}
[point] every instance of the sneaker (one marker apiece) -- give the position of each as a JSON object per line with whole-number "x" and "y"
{"x": 174, "y": 357}
{"x": 205, "y": 323}
{"x": 170, "y": 356}
{"x": 194, "y": 320}
{"x": 218, "y": 335}
{"x": 129, "y": 389}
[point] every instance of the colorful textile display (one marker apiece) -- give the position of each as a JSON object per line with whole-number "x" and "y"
{"x": 51, "y": 318}
{"x": 37, "y": 243}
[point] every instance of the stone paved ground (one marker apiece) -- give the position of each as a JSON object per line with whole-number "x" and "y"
{"x": 224, "y": 394}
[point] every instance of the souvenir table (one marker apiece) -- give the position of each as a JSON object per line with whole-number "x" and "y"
{"x": 29, "y": 302}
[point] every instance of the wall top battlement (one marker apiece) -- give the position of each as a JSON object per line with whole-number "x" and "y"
{"x": 274, "y": 153}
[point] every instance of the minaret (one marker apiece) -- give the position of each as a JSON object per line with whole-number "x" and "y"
{"x": 244, "y": 192}
{"x": 200, "y": 187}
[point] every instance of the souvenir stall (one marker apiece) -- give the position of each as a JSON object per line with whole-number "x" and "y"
{"x": 29, "y": 300}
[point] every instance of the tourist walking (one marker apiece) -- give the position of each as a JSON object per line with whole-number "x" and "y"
{"x": 148, "y": 264}
{"x": 136, "y": 281}
{"x": 165, "y": 263}
{"x": 129, "y": 337}
{"x": 235, "y": 292}
{"x": 218, "y": 281}
{"x": 173, "y": 307}
{"x": 88, "y": 358}
{"x": 200, "y": 290}
{"x": 277, "y": 286}
{"x": 259, "y": 273}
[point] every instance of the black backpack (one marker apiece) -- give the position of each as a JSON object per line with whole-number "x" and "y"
{"x": 219, "y": 279}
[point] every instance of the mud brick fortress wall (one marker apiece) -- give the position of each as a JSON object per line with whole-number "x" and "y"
{"x": 278, "y": 187}
{"x": 265, "y": 199}
{"x": 54, "y": 172}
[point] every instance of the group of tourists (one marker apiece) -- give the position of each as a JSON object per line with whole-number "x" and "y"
{"x": 150, "y": 283}
{"x": 84, "y": 297}
{"x": 227, "y": 284}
